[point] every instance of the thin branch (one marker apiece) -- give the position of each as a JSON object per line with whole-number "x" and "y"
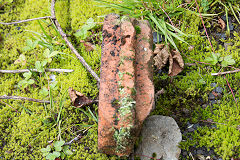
{"x": 64, "y": 36}
{"x": 24, "y": 98}
{"x": 227, "y": 72}
{"x": 26, "y": 20}
{"x": 8, "y": 105}
{"x": 35, "y": 70}
{"x": 231, "y": 90}
{"x": 79, "y": 136}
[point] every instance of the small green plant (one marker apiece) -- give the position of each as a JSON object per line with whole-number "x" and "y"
{"x": 56, "y": 150}
{"x": 84, "y": 31}
{"x": 30, "y": 45}
{"x": 216, "y": 58}
{"x": 27, "y": 81}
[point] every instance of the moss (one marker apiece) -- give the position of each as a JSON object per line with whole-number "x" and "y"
{"x": 186, "y": 91}
{"x": 22, "y": 135}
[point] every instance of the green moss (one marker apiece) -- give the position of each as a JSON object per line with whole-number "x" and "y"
{"x": 22, "y": 135}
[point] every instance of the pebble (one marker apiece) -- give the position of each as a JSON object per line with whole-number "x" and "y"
{"x": 213, "y": 84}
{"x": 218, "y": 90}
{"x": 199, "y": 151}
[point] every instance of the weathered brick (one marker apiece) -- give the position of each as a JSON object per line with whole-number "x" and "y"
{"x": 126, "y": 94}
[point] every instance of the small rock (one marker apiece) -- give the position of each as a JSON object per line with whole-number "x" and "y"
{"x": 218, "y": 90}
{"x": 213, "y": 84}
{"x": 160, "y": 135}
{"x": 199, "y": 151}
{"x": 211, "y": 96}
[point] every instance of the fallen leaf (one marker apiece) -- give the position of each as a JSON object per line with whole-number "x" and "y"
{"x": 177, "y": 63}
{"x": 88, "y": 46}
{"x": 164, "y": 55}
{"x": 78, "y": 99}
{"x": 221, "y": 23}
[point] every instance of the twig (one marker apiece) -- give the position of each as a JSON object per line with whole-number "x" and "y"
{"x": 227, "y": 72}
{"x": 24, "y": 98}
{"x": 231, "y": 90}
{"x": 204, "y": 27}
{"x": 77, "y": 137}
{"x": 35, "y": 70}
{"x": 64, "y": 36}
{"x": 8, "y": 105}
{"x": 214, "y": 51}
{"x": 26, "y": 20}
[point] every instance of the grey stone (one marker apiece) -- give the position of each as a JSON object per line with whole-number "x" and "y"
{"x": 160, "y": 135}
{"x": 218, "y": 90}
{"x": 213, "y": 84}
{"x": 199, "y": 151}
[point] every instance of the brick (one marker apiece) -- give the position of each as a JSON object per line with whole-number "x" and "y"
{"x": 126, "y": 95}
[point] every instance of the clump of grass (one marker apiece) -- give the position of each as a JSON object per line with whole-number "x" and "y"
{"x": 154, "y": 11}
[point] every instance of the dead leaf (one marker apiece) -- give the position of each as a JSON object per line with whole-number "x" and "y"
{"x": 164, "y": 55}
{"x": 221, "y": 23}
{"x": 78, "y": 99}
{"x": 177, "y": 63}
{"x": 88, "y": 46}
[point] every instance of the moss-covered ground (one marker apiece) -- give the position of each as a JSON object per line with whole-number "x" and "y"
{"x": 186, "y": 96}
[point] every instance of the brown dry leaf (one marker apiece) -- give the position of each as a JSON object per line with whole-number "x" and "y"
{"x": 222, "y": 23}
{"x": 162, "y": 55}
{"x": 89, "y": 46}
{"x": 78, "y": 99}
{"x": 176, "y": 63}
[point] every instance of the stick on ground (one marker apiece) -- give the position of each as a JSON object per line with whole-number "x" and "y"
{"x": 227, "y": 72}
{"x": 35, "y": 70}
{"x": 24, "y": 98}
{"x": 64, "y": 36}
{"x": 26, "y": 20}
